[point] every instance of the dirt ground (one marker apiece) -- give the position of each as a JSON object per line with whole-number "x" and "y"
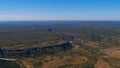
{"x": 102, "y": 64}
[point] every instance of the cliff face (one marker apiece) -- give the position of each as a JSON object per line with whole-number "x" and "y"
{"x": 1, "y": 52}
{"x": 35, "y": 51}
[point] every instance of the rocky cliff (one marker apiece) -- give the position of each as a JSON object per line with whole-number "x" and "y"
{"x": 34, "y": 51}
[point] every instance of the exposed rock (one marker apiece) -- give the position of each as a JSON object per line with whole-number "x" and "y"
{"x": 35, "y": 50}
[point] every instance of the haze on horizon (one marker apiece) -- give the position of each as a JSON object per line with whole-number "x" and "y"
{"x": 59, "y": 10}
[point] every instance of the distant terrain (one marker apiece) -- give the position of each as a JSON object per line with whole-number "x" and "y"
{"x": 60, "y": 44}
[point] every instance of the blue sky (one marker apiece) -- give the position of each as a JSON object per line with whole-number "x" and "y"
{"x": 59, "y": 9}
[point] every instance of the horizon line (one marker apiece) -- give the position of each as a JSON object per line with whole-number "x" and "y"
{"x": 59, "y": 20}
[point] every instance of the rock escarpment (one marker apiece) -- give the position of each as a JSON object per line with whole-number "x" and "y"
{"x": 34, "y": 51}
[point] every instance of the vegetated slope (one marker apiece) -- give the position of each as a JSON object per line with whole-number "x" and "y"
{"x": 8, "y": 64}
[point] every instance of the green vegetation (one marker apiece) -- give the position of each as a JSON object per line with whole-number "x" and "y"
{"x": 8, "y": 64}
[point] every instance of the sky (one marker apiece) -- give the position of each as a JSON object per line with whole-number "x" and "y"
{"x": 59, "y": 9}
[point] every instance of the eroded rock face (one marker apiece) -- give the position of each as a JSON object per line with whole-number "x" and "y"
{"x": 1, "y": 52}
{"x": 35, "y": 51}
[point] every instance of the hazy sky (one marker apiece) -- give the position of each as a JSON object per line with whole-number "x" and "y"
{"x": 59, "y": 9}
